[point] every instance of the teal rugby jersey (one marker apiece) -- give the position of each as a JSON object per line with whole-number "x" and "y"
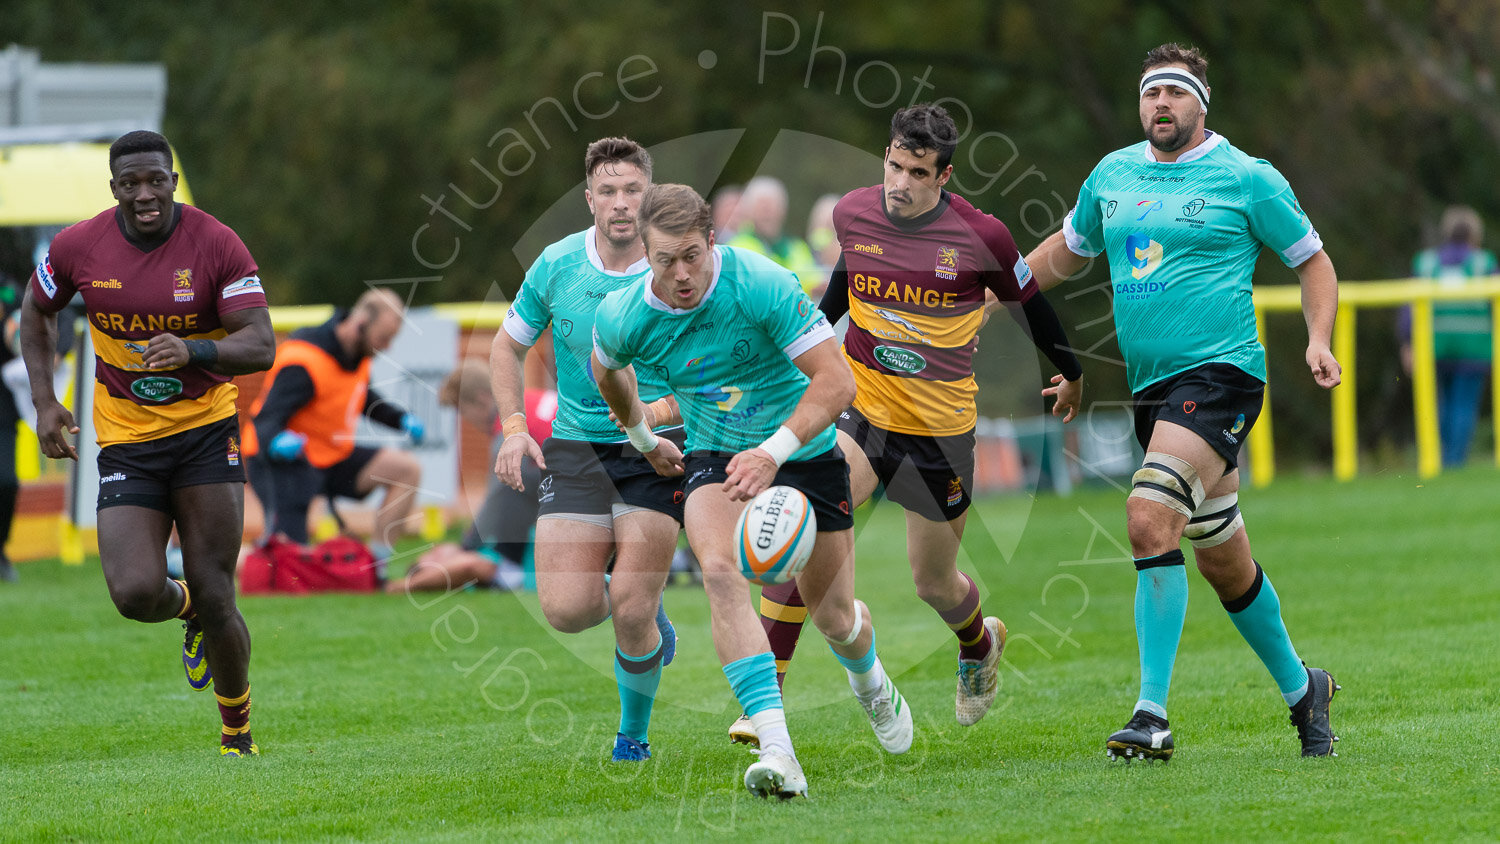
{"x": 564, "y": 287}
{"x": 729, "y": 360}
{"x": 1182, "y": 239}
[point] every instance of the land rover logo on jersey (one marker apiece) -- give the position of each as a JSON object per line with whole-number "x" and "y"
{"x": 900, "y": 360}
{"x": 1192, "y": 208}
{"x": 567, "y": 327}
{"x": 156, "y": 388}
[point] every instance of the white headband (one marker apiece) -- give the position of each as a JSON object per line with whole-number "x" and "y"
{"x": 1179, "y": 78}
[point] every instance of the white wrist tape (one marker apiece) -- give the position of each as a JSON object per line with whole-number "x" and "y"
{"x": 641, "y": 436}
{"x": 781, "y": 445}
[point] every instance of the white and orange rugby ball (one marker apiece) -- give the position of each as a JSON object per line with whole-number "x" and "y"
{"x": 774, "y": 536}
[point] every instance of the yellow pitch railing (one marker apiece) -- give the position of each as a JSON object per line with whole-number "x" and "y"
{"x": 1420, "y": 294}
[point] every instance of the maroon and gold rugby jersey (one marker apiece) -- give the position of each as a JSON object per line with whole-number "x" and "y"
{"x": 916, "y": 301}
{"x": 133, "y": 292}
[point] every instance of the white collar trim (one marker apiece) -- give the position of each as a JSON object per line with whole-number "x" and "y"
{"x": 591, "y": 248}
{"x": 658, "y": 304}
{"x": 1212, "y": 140}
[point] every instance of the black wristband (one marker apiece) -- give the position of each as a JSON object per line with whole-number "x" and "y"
{"x": 204, "y": 353}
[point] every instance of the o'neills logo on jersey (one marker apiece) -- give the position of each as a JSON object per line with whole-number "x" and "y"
{"x": 118, "y": 476}
{"x": 872, "y": 248}
{"x": 947, "y": 262}
{"x": 110, "y": 284}
{"x": 182, "y": 285}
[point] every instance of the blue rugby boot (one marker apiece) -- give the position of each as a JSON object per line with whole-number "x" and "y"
{"x": 193, "y": 663}
{"x": 628, "y": 749}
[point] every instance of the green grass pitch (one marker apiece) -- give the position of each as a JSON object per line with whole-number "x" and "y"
{"x": 464, "y": 717}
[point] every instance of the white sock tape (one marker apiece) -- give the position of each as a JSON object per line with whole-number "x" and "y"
{"x": 859, "y": 624}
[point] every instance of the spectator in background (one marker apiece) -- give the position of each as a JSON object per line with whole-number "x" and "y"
{"x": 492, "y": 551}
{"x": 300, "y": 440}
{"x": 10, "y": 485}
{"x": 15, "y": 406}
{"x": 764, "y": 205}
{"x": 727, "y": 215}
{"x": 1461, "y": 329}
{"x": 822, "y": 240}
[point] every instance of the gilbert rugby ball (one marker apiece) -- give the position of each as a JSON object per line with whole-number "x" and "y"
{"x": 775, "y": 536}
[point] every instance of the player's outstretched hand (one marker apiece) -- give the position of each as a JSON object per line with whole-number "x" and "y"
{"x": 512, "y": 452}
{"x": 55, "y": 429}
{"x": 1069, "y": 397}
{"x": 1325, "y": 368}
{"x": 749, "y": 474}
{"x": 666, "y": 458}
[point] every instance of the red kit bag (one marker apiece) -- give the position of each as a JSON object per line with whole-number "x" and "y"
{"x": 280, "y": 566}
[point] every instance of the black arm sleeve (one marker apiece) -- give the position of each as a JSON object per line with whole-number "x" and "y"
{"x": 382, "y": 411}
{"x": 290, "y": 391}
{"x": 1046, "y": 331}
{"x": 836, "y": 297}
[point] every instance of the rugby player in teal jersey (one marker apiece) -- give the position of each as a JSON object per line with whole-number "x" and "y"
{"x": 597, "y": 499}
{"x": 1182, "y": 217}
{"x": 759, "y": 380}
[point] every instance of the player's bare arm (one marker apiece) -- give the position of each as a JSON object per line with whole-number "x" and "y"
{"x": 663, "y": 411}
{"x": 1052, "y": 262}
{"x": 507, "y": 382}
{"x": 830, "y": 389}
{"x": 55, "y": 423}
{"x": 1320, "y": 301}
{"x": 618, "y": 387}
{"x": 249, "y": 345}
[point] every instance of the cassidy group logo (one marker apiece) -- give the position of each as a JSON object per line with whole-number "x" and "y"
{"x": 725, "y": 398}
{"x": 1144, "y": 254}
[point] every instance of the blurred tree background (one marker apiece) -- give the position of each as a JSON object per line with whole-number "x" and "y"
{"x": 329, "y": 134}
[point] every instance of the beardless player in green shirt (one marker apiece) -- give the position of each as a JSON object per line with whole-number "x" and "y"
{"x": 759, "y": 380}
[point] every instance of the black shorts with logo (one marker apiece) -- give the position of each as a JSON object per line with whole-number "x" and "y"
{"x": 589, "y": 478}
{"x": 143, "y": 474}
{"x": 930, "y": 476}
{"x": 1217, "y": 401}
{"x": 823, "y": 478}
